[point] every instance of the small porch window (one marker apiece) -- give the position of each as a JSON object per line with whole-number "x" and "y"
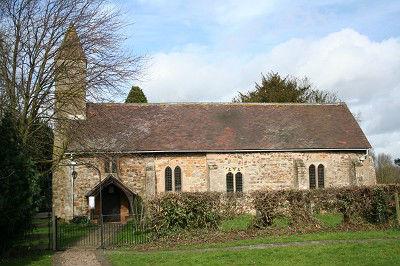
{"x": 110, "y": 166}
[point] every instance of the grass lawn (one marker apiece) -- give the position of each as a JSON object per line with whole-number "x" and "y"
{"x": 351, "y": 235}
{"x": 376, "y": 252}
{"x": 71, "y": 233}
{"x": 131, "y": 234}
{"x": 38, "y": 238}
{"x": 330, "y": 219}
{"x": 34, "y": 258}
{"x": 378, "y": 248}
{"x": 241, "y": 222}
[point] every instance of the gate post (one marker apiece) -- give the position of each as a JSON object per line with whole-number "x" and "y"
{"x": 54, "y": 230}
{"x": 396, "y": 198}
{"x": 101, "y": 231}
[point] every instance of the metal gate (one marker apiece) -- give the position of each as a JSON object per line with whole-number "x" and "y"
{"x": 102, "y": 235}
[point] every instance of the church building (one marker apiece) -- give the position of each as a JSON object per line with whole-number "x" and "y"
{"x": 141, "y": 150}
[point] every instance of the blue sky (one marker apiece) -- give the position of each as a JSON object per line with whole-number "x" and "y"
{"x": 252, "y": 25}
{"x": 210, "y": 50}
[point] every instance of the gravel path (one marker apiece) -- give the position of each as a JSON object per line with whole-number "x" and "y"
{"x": 79, "y": 257}
{"x": 86, "y": 250}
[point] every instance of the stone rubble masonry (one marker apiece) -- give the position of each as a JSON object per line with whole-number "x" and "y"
{"x": 144, "y": 174}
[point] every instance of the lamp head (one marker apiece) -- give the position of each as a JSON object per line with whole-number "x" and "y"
{"x": 74, "y": 174}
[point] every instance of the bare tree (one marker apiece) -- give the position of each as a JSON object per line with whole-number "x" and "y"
{"x": 386, "y": 170}
{"x": 31, "y": 33}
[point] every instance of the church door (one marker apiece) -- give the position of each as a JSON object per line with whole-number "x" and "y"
{"x": 111, "y": 204}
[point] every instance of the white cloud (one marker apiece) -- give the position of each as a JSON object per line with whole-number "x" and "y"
{"x": 365, "y": 73}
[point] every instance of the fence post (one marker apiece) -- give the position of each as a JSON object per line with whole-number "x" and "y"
{"x": 54, "y": 230}
{"x": 49, "y": 230}
{"x": 396, "y": 199}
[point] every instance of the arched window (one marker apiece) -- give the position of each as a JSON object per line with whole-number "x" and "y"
{"x": 311, "y": 175}
{"x": 321, "y": 176}
{"x": 239, "y": 182}
{"x": 178, "y": 178}
{"x": 229, "y": 182}
{"x": 168, "y": 179}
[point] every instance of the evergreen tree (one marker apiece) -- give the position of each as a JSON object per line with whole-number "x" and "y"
{"x": 18, "y": 184}
{"x": 40, "y": 150}
{"x": 275, "y": 89}
{"x": 136, "y": 95}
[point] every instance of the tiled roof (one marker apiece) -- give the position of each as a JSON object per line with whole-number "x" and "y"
{"x": 196, "y": 127}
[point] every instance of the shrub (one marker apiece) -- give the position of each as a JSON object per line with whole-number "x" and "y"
{"x": 234, "y": 204}
{"x": 299, "y": 206}
{"x": 174, "y": 211}
{"x": 378, "y": 212}
{"x": 80, "y": 220}
{"x": 268, "y": 205}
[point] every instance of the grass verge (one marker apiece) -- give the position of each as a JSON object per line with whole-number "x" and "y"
{"x": 37, "y": 258}
{"x": 376, "y": 252}
{"x": 388, "y": 234}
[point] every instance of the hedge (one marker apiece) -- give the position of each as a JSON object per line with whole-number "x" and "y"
{"x": 356, "y": 204}
{"x": 192, "y": 210}
{"x": 172, "y": 211}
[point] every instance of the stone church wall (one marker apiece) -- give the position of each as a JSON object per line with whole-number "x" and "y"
{"x": 144, "y": 174}
{"x": 194, "y": 171}
{"x": 284, "y": 170}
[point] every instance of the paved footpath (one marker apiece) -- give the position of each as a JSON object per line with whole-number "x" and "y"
{"x": 74, "y": 256}
{"x": 85, "y": 251}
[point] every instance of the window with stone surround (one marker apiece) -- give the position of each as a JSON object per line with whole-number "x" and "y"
{"x": 321, "y": 176}
{"x": 239, "y": 182}
{"x": 168, "y": 179}
{"x": 178, "y": 178}
{"x": 110, "y": 166}
{"x": 311, "y": 175}
{"x": 229, "y": 182}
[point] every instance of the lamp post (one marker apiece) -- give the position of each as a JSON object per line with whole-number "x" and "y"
{"x": 74, "y": 176}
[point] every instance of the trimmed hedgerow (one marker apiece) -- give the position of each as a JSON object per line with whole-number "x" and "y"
{"x": 365, "y": 204}
{"x": 232, "y": 205}
{"x": 194, "y": 210}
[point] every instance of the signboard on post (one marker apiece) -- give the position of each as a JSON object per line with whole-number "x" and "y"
{"x": 91, "y": 202}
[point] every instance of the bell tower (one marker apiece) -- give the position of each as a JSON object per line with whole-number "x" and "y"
{"x": 70, "y": 104}
{"x": 70, "y": 82}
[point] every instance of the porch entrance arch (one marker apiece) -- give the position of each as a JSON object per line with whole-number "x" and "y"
{"x": 117, "y": 200}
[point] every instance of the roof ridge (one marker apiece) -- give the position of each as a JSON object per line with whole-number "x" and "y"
{"x": 214, "y": 103}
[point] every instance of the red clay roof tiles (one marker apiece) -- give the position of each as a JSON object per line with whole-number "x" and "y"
{"x": 216, "y": 127}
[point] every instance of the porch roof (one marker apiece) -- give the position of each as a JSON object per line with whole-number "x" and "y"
{"x": 107, "y": 181}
